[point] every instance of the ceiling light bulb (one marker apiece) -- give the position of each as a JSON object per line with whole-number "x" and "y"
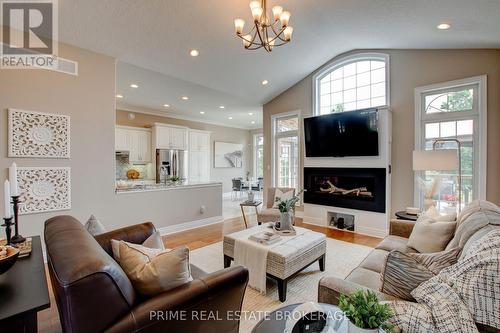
{"x": 202, "y": 112}
{"x": 288, "y": 33}
{"x": 194, "y": 53}
{"x": 254, "y": 4}
{"x": 166, "y": 105}
{"x": 131, "y": 116}
{"x": 238, "y": 25}
{"x": 253, "y": 122}
{"x": 119, "y": 96}
{"x": 133, "y": 85}
{"x": 250, "y": 113}
{"x": 257, "y": 13}
{"x": 185, "y": 98}
{"x": 444, "y": 26}
{"x": 285, "y": 18}
{"x": 222, "y": 107}
{"x": 247, "y": 40}
{"x": 230, "y": 118}
{"x": 265, "y": 82}
{"x": 277, "y": 10}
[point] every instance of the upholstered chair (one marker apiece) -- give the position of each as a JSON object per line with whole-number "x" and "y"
{"x": 268, "y": 213}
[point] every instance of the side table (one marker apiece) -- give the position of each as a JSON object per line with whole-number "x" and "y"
{"x": 255, "y": 204}
{"x": 403, "y": 215}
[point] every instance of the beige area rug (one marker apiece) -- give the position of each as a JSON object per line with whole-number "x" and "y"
{"x": 341, "y": 258}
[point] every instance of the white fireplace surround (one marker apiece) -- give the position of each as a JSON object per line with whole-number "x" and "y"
{"x": 369, "y": 223}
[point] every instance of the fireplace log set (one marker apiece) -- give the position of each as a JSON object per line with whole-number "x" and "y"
{"x": 332, "y": 189}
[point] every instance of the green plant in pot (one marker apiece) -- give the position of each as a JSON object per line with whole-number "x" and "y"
{"x": 364, "y": 312}
{"x": 286, "y": 208}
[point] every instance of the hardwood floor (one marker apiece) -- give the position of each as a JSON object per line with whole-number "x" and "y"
{"x": 48, "y": 320}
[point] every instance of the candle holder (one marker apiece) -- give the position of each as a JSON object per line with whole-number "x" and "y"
{"x": 17, "y": 237}
{"x": 8, "y": 231}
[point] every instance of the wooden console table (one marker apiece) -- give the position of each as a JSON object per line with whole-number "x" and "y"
{"x": 24, "y": 292}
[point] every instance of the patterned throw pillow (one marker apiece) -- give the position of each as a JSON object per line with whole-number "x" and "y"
{"x": 94, "y": 226}
{"x": 404, "y": 272}
{"x": 410, "y": 317}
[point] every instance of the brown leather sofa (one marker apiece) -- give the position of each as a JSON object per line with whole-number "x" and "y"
{"x": 93, "y": 294}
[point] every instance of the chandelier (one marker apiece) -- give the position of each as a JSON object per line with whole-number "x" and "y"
{"x": 266, "y": 32}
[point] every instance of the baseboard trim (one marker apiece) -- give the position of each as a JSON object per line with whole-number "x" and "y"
{"x": 172, "y": 229}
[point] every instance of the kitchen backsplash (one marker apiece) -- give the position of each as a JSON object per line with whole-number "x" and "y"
{"x": 122, "y": 166}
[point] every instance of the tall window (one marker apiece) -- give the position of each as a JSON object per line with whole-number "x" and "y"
{"x": 286, "y": 150}
{"x": 454, "y": 110}
{"x": 352, "y": 83}
{"x": 258, "y": 155}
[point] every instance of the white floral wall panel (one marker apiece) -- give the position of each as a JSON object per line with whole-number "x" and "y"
{"x": 37, "y": 134}
{"x": 44, "y": 189}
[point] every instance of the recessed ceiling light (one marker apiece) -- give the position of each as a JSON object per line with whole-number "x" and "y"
{"x": 253, "y": 122}
{"x": 185, "y": 98}
{"x": 119, "y": 96}
{"x": 222, "y": 107}
{"x": 166, "y": 105}
{"x": 194, "y": 53}
{"x": 230, "y": 118}
{"x": 265, "y": 82}
{"x": 444, "y": 26}
{"x": 133, "y": 85}
{"x": 250, "y": 113}
{"x": 202, "y": 112}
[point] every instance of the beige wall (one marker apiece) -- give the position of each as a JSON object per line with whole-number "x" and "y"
{"x": 410, "y": 69}
{"x": 219, "y": 133}
{"x": 89, "y": 99}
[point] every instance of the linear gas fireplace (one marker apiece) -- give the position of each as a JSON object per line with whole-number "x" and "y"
{"x": 355, "y": 188}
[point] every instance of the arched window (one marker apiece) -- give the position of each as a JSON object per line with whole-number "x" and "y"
{"x": 355, "y": 82}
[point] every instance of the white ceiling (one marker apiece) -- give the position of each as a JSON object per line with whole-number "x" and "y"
{"x": 156, "y": 35}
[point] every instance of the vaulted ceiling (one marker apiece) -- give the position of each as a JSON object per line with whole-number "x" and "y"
{"x": 151, "y": 40}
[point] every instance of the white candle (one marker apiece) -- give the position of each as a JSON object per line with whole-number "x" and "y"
{"x": 6, "y": 192}
{"x": 14, "y": 190}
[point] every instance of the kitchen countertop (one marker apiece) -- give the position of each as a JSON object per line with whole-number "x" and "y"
{"x": 163, "y": 187}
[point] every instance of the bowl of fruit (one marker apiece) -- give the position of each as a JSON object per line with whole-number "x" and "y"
{"x": 8, "y": 257}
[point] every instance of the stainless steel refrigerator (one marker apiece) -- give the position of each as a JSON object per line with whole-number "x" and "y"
{"x": 170, "y": 163}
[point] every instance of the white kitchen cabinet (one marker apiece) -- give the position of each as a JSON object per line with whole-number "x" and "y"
{"x": 199, "y": 155}
{"x": 136, "y": 141}
{"x": 199, "y": 141}
{"x": 170, "y": 137}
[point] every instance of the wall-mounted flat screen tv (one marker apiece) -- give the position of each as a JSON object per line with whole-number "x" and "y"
{"x": 352, "y": 133}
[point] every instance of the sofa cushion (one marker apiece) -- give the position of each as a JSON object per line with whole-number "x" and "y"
{"x": 375, "y": 260}
{"x": 391, "y": 243}
{"x": 365, "y": 277}
{"x": 439, "y": 260}
{"x": 153, "y": 271}
{"x": 153, "y": 242}
{"x": 430, "y": 236}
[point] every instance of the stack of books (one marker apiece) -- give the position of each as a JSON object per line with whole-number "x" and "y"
{"x": 265, "y": 237}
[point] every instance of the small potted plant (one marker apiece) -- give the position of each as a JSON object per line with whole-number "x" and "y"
{"x": 364, "y": 312}
{"x": 286, "y": 208}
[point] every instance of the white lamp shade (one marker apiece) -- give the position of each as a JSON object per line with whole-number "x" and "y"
{"x": 435, "y": 160}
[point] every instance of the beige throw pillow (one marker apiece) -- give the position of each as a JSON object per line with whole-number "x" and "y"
{"x": 282, "y": 195}
{"x": 154, "y": 271}
{"x": 429, "y": 235}
{"x": 153, "y": 242}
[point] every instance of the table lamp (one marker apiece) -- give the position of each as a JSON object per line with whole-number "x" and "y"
{"x": 440, "y": 160}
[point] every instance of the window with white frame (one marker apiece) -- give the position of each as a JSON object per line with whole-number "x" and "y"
{"x": 352, "y": 83}
{"x": 286, "y": 150}
{"x": 453, "y": 110}
{"x": 258, "y": 155}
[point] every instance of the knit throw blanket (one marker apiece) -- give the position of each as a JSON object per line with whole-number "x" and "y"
{"x": 459, "y": 296}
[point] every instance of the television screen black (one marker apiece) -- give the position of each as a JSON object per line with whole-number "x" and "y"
{"x": 353, "y": 133}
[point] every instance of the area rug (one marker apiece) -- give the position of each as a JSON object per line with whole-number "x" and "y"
{"x": 341, "y": 258}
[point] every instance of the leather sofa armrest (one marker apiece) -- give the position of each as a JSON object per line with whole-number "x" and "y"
{"x": 330, "y": 289}
{"x": 192, "y": 307}
{"x": 402, "y": 228}
{"x": 136, "y": 234}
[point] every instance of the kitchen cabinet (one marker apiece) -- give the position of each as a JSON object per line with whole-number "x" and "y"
{"x": 170, "y": 137}
{"x": 136, "y": 141}
{"x": 199, "y": 155}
